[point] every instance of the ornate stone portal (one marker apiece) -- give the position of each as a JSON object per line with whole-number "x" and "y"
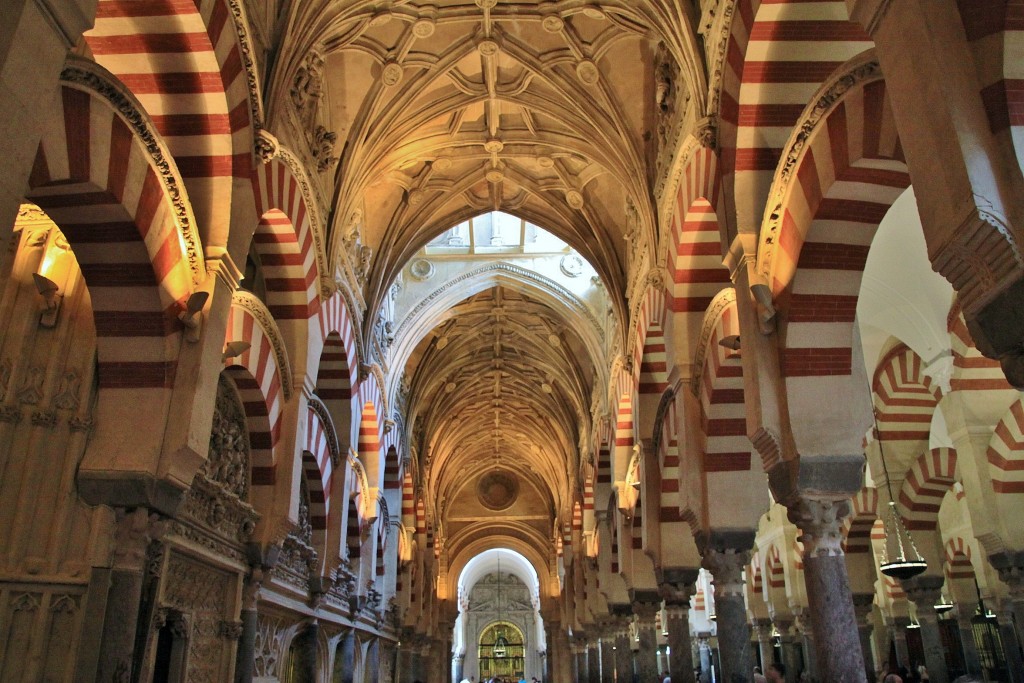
{"x": 506, "y": 600}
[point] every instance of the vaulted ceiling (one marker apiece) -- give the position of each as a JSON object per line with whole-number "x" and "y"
{"x": 444, "y": 110}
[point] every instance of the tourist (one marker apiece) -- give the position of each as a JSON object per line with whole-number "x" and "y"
{"x": 776, "y": 673}
{"x": 758, "y": 676}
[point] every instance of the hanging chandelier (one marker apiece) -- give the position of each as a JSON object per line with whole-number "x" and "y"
{"x": 900, "y": 557}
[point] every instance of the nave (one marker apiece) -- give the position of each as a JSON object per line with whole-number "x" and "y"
{"x": 567, "y": 340}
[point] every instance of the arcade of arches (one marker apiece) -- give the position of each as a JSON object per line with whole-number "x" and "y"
{"x": 584, "y": 340}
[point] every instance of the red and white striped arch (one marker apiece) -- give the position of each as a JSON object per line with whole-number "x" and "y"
{"x": 649, "y": 353}
{"x": 779, "y": 52}
{"x": 695, "y": 256}
{"x": 353, "y": 540}
{"x": 958, "y": 559}
{"x": 905, "y": 399}
{"x": 723, "y": 415}
{"x": 95, "y": 178}
{"x": 774, "y": 573}
{"x": 971, "y": 370}
{"x": 860, "y": 523}
{"x": 392, "y": 469}
{"x": 260, "y": 387}
{"x": 408, "y": 503}
{"x": 669, "y": 466}
{"x": 1006, "y": 452}
{"x": 285, "y": 242}
{"x": 369, "y": 447}
{"x": 182, "y": 61}
{"x": 815, "y": 242}
{"x": 925, "y": 485}
{"x": 995, "y": 34}
{"x": 318, "y": 467}
{"x": 624, "y": 441}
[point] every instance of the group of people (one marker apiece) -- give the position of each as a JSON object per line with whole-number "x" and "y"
{"x": 775, "y": 673}
{"x": 498, "y": 679}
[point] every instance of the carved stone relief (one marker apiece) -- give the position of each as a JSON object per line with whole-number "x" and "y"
{"x": 227, "y": 463}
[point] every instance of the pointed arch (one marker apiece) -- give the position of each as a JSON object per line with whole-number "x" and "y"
{"x": 369, "y": 446}
{"x": 1005, "y": 452}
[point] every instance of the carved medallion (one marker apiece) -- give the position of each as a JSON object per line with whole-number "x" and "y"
{"x": 498, "y": 489}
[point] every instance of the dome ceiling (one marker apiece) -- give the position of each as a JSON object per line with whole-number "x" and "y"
{"x": 444, "y": 110}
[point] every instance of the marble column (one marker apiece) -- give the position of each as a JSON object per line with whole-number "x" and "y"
{"x": 1007, "y": 633}
{"x": 792, "y": 655}
{"x": 608, "y": 653}
{"x": 726, "y": 567}
{"x": 133, "y": 532}
{"x": 647, "y": 652}
{"x": 245, "y": 658}
{"x": 580, "y": 674}
{"x": 970, "y": 648}
{"x": 924, "y": 591}
{"x": 680, "y": 656}
{"x": 810, "y": 653}
{"x": 862, "y": 607}
{"x": 829, "y": 599}
{"x": 593, "y": 662}
{"x": 899, "y": 639}
{"x": 623, "y": 653}
{"x": 763, "y": 629}
{"x": 706, "y": 659}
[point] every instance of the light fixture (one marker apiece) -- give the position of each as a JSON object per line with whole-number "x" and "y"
{"x": 766, "y": 312}
{"x": 902, "y": 565}
{"x": 943, "y": 605}
{"x": 914, "y": 624}
{"x": 235, "y": 348}
{"x": 50, "y": 292}
{"x": 191, "y": 317}
{"x": 731, "y": 342}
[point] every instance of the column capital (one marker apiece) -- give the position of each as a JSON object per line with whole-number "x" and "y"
{"x": 133, "y": 531}
{"x": 863, "y": 603}
{"x": 924, "y": 591}
{"x": 821, "y": 524}
{"x": 646, "y": 612}
{"x": 763, "y": 628}
{"x": 726, "y": 566}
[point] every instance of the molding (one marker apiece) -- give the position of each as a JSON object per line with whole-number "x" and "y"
{"x": 318, "y": 407}
{"x": 249, "y": 64}
{"x": 89, "y": 76}
{"x": 249, "y": 303}
{"x": 722, "y": 301}
{"x": 857, "y": 72}
{"x": 568, "y": 298}
{"x": 313, "y": 207}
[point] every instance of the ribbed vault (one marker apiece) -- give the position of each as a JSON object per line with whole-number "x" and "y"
{"x": 443, "y": 110}
{"x": 499, "y": 396}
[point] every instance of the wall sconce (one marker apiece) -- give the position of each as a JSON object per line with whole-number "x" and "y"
{"x": 192, "y": 316}
{"x": 234, "y": 349}
{"x": 52, "y": 297}
{"x": 730, "y": 342}
{"x": 762, "y": 294}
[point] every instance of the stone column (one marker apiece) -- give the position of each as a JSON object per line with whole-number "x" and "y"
{"x": 580, "y": 658}
{"x": 792, "y": 658}
{"x": 810, "y": 662}
{"x": 245, "y": 658}
{"x": 924, "y": 591}
{"x": 970, "y": 649}
{"x": 608, "y": 653}
{"x": 647, "y": 652}
{"x": 829, "y": 599}
{"x": 680, "y": 656}
{"x": 623, "y": 653}
{"x": 862, "y": 606}
{"x": 706, "y": 659}
{"x": 133, "y": 532}
{"x": 1007, "y": 633}
{"x": 1011, "y": 572}
{"x": 726, "y": 567}
{"x": 899, "y": 639}
{"x": 593, "y": 662}
{"x": 763, "y": 629}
